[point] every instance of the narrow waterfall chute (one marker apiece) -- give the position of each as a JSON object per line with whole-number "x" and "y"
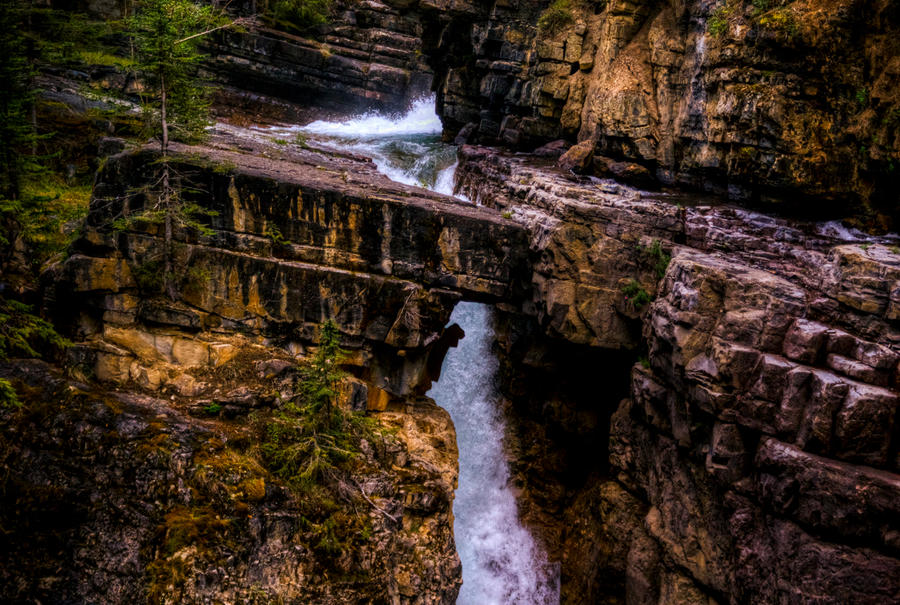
{"x": 502, "y": 564}
{"x": 501, "y": 561}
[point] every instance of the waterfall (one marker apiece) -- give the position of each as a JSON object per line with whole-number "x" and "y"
{"x": 406, "y": 148}
{"x": 501, "y": 562}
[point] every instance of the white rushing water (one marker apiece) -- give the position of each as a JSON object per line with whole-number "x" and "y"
{"x": 501, "y": 562}
{"x": 407, "y": 148}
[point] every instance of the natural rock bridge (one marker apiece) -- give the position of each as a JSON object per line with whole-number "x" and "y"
{"x": 297, "y": 237}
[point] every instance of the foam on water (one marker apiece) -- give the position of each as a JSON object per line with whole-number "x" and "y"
{"x": 406, "y": 148}
{"x": 420, "y": 119}
{"x": 501, "y": 562}
{"x": 838, "y": 231}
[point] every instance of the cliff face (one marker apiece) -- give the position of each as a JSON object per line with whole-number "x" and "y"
{"x": 134, "y": 496}
{"x": 146, "y": 462}
{"x": 791, "y": 104}
{"x": 783, "y": 102}
{"x": 754, "y": 457}
{"x": 751, "y": 455}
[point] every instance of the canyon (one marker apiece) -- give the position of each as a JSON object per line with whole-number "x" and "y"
{"x": 699, "y": 384}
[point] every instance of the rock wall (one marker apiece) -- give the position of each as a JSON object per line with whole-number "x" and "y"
{"x": 755, "y": 456}
{"x": 369, "y": 58}
{"x": 123, "y": 497}
{"x": 145, "y": 462}
{"x": 294, "y": 239}
{"x": 793, "y": 103}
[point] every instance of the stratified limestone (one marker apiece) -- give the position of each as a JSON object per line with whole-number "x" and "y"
{"x": 295, "y": 239}
{"x": 758, "y": 443}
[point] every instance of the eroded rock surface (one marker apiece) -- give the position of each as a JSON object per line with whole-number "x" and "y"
{"x": 118, "y": 497}
{"x": 168, "y": 428}
{"x": 295, "y": 239}
{"x": 756, "y": 448}
{"x": 792, "y": 103}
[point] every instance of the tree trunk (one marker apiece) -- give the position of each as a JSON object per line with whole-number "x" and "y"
{"x": 166, "y": 198}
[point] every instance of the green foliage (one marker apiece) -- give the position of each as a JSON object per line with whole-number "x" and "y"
{"x": 17, "y": 94}
{"x": 149, "y": 276}
{"x": 195, "y": 279}
{"x": 781, "y": 19}
{"x": 70, "y": 38}
{"x": 50, "y": 212}
{"x": 507, "y": 214}
{"x": 166, "y": 35}
{"x": 8, "y": 396}
{"x": 307, "y": 438}
{"x": 862, "y": 97}
{"x": 168, "y": 57}
{"x": 644, "y": 361}
{"x": 718, "y": 21}
{"x": 24, "y": 334}
{"x": 213, "y": 409}
{"x": 274, "y": 234}
{"x": 761, "y": 6}
{"x": 556, "y": 17}
{"x": 657, "y": 257}
{"x": 635, "y": 294}
{"x": 299, "y": 15}
{"x": 105, "y": 58}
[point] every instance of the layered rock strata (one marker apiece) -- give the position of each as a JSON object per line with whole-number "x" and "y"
{"x": 794, "y": 103}
{"x": 295, "y": 237}
{"x": 148, "y": 468}
{"x": 755, "y": 458}
{"x": 368, "y": 58}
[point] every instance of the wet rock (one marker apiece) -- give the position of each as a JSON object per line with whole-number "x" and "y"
{"x": 553, "y": 149}
{"x": 626, "y": 172}
{"x": 578, "y": 157}
{"x": 768, "y": 391}
{"x": 465, "y": 133}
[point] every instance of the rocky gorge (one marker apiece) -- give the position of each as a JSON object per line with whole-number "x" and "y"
{"x": 700, "y": 394}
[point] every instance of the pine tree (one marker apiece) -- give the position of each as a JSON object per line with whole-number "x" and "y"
{"x": 166, "y": 36}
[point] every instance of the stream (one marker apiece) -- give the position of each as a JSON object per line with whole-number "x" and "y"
{"x": 501, "y": 562}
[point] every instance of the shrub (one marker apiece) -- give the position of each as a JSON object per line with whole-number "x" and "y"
{"x": 781, "y": 19}
{"x": 761, "y": 6}
{"x": 657, "y": 257}
{"x": 299, "y": 14}
{"x": 635, "y": 294}
{"x": 309, "y": 439}
{"x": 556, "y": 17}
{"x": 149, "y": 276}
{"x": 718, "y": 21}
{"x": 24, "y": 334}
{"x": 8, "y": 396}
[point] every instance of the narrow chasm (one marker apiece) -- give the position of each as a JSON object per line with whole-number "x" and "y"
{"x": 501, "y": 561}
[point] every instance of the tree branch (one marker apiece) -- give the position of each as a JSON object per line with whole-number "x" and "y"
{"x": 236, "y": 23}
